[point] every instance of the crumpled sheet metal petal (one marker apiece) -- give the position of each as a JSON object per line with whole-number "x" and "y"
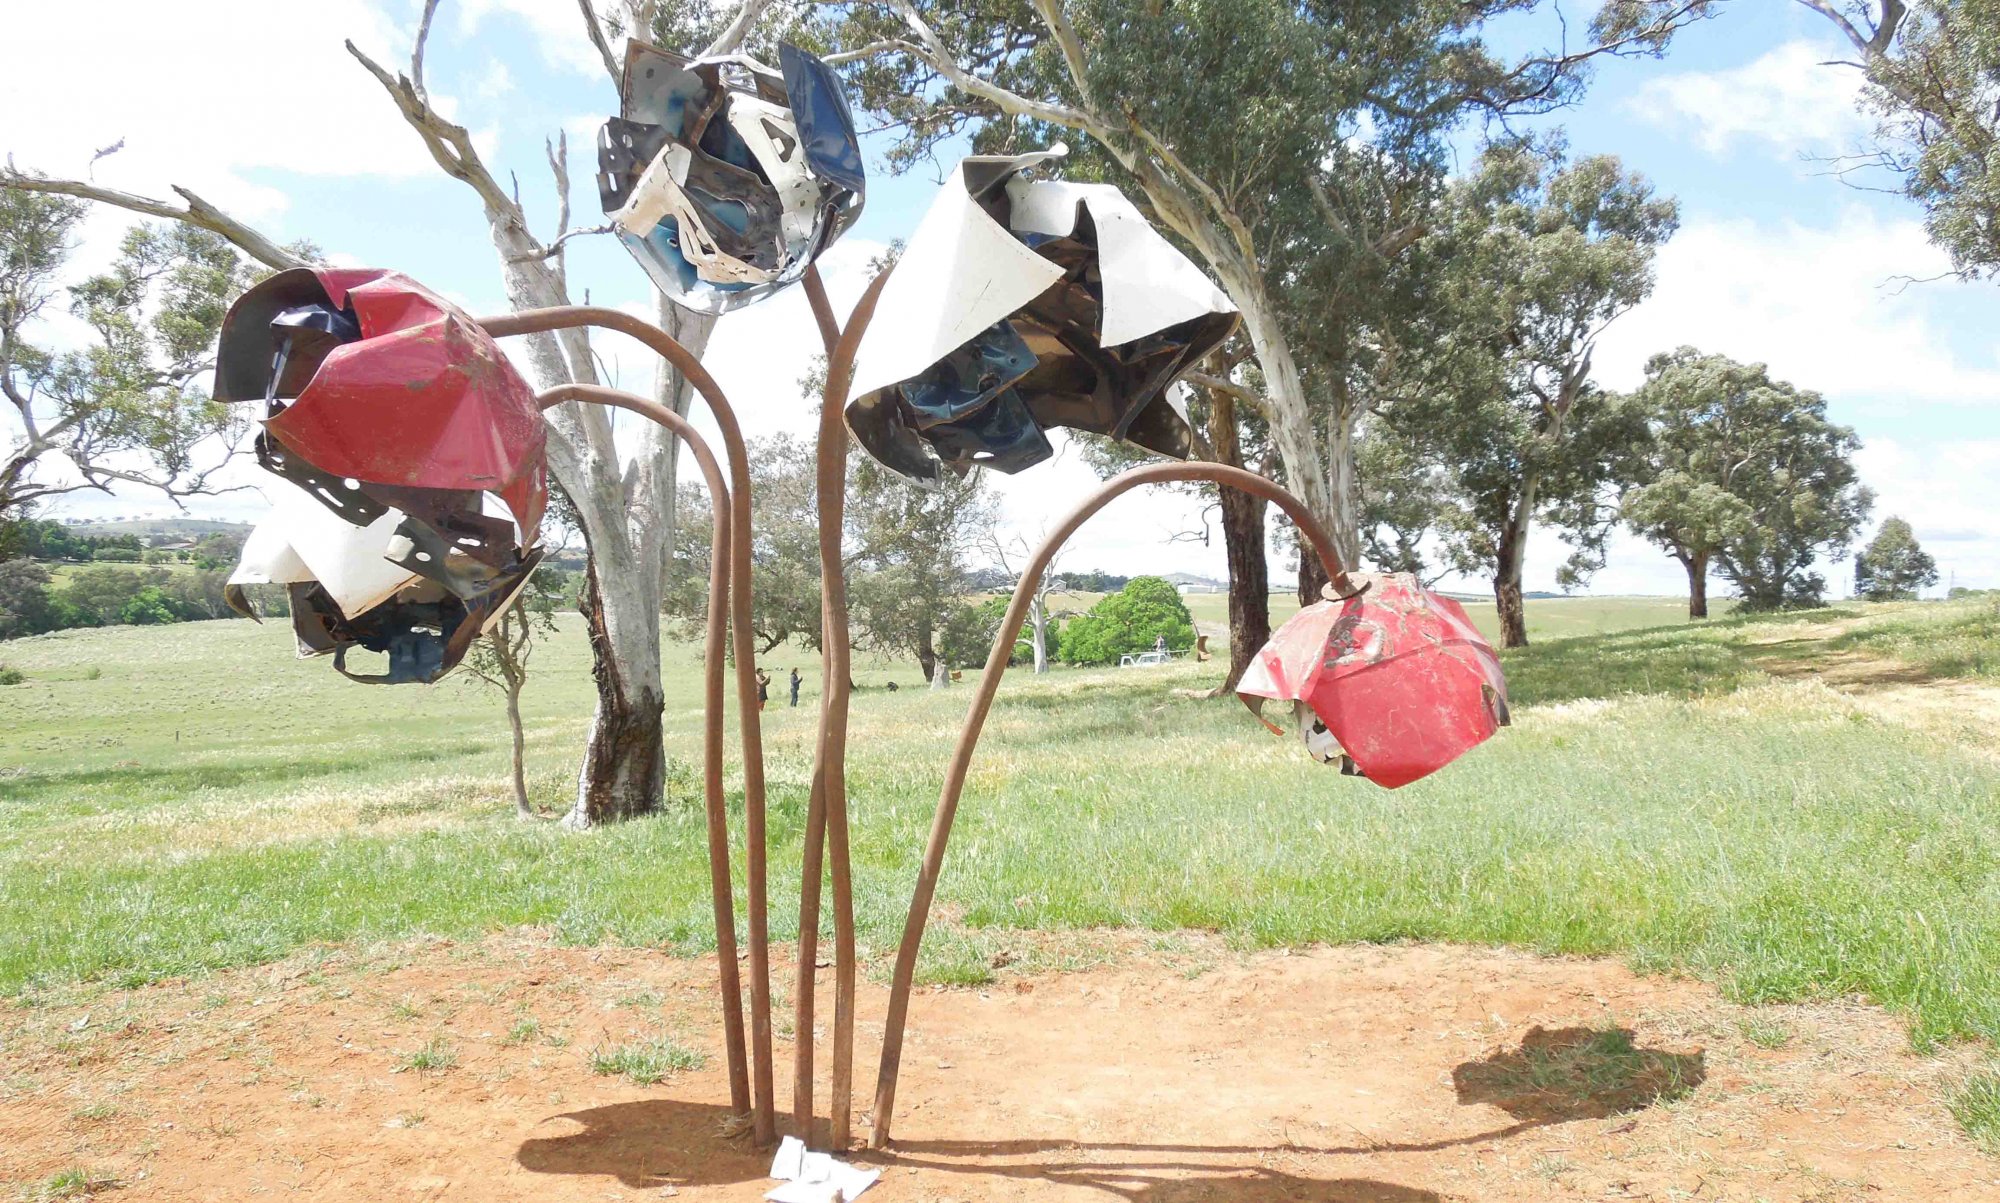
{"x": 426, "y": 399}
{"x": 423, "y": 399}
{"x": 1111, "y": 312}
{"x": 726, "y": 179}
{"x": 408, "y": 471}
{"x": 1398, "y": 674}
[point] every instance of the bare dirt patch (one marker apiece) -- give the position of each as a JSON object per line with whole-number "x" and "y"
{"x": 1177, "y": 1071}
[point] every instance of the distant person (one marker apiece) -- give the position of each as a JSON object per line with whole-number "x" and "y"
{"x": 1159, "y": 643}
{"x": 763, "y": 688}
{"x": 796, "y": 680}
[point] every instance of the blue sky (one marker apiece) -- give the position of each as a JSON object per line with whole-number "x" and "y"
{"x": 257, "y": 107}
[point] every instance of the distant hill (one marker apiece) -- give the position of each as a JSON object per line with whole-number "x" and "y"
{"x": 169, "y": 529}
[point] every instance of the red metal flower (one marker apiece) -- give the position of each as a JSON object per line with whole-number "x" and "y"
{"x": 392, "y": 409}
{"x": 1395, "y": 680}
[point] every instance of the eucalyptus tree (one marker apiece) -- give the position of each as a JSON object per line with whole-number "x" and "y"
{"x": 1533, "y": 257}
{"x": 624, "y": 495}
{"x": 1745, "y": 474}
{"x": 1932, "y": 67}
{"x": 1224, "y": 118}
{"x": 127, "y": 407}
{"x": 1894, "y": 566}
{"x": 1714, "y": 425}
{"x": 906, "y": 550}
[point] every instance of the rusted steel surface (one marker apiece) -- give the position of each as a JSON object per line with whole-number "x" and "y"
{"x": 823, "y": 838}
{"x": 831, "y": 754}
{"x": 1393, "y": 684}
{"x": 715, "y": 803}
{"x": 743, "y": 647}
{"x": 982, "y": 703}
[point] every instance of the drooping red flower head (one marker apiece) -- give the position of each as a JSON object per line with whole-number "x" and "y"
{"x": 1395, "y": 682}
{"x": 393, "y": 410}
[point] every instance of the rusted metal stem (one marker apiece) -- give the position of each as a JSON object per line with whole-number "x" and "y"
{"x": 721, "y": 893}
{"x": 826, "y": 817}
{"x": 756, "y": 889}
{"x": 982, "y": 702}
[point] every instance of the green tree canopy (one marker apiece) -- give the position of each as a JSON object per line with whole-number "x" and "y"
{"x": 1932, "y": 67}
{"x": 132, "y": 405}
{"x": 1131, "y": 620}
{"x": 1893, "y": 566}
{"x": 1268, "y": 137}
{"x": 1713, "y": 424}
{"x": 1789, "y": 470}
{"x": 1533, "y": 258}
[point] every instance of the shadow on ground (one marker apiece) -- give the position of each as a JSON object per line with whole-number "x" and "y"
{"x": 1552, "y": 1077}
{"x": 1564, "y": 1074}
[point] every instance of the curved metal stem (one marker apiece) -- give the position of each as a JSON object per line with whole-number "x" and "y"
{"x": 721, "y": 893}
{"x": 826, "y": 816}
{"x": 756, "y": 889}
{"x": 982, "y": 702}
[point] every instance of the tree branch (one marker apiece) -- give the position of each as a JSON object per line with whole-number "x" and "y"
{"x": 733, "y": 34}
{"x": 1873, "y": 43}
{"x": 933, "y": 51}
{"x": 197, "y": 212}
{"x": 595, "y": 28}
{"x": 885, "y": 46}
{"x": 449, "y": 144}
{"x": 1066, "y": 41}
{"x": 417, "y": 52}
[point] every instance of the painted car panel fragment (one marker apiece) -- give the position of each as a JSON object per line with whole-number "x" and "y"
{"x": 1023, "y": 304}
{"x": 1394, "y": 683}
{"x": 409, "y": 457}
{"x": 725, "y": 178}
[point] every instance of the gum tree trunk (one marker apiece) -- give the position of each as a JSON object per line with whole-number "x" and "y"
{"x": 1507, "y": 569}
{"x": 1243, "y": 546}
{"x": 1697, "y": 570}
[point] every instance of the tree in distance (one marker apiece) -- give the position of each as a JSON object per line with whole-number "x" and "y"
{"x": 1893, "y": 566}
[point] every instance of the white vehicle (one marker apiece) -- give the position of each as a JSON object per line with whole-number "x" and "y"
{"x": 1144, "y": 659}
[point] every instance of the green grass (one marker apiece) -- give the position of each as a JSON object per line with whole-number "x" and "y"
{"x": 436, "y": 1056}
{"x": 1975, "y": 1104}
{"x": 72, "y": 1183}
{"x": 209, "y": 801}
{"x": 1548, "y": 617}
{"x": 647, "y": 1062}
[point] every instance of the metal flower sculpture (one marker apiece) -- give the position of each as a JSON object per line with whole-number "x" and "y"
{"x": 724, "y": 178}
{"x": 1024, "y": 304}
{"x": 409, "y": 461}
{"x": 1392, "y": 684}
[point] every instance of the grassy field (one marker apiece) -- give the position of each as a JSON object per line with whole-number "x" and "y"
{"x": 1763, "y": 803}
{"x": 1548, "y": 617}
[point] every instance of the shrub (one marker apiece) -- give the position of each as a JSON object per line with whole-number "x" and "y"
{"x": 1131, "y": 620}
{"x": 11, "y": 676}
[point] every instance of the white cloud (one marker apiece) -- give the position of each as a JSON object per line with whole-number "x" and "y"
{"x": 1788, "y": 101}
{"x": 1822, "y": 305}
{"x": 205, "y": 102}
{"x": 556, "y": 27}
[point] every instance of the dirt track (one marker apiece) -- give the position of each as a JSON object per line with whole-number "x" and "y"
{"x": 1399, "y": 1074}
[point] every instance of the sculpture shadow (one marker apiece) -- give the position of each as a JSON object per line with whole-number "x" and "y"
{"x": 1271, "y": 1186}
{"x": 652, "y": 1143}
{"x": 1563, "y": 1074}
{"x": 1554, "y": 1076}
